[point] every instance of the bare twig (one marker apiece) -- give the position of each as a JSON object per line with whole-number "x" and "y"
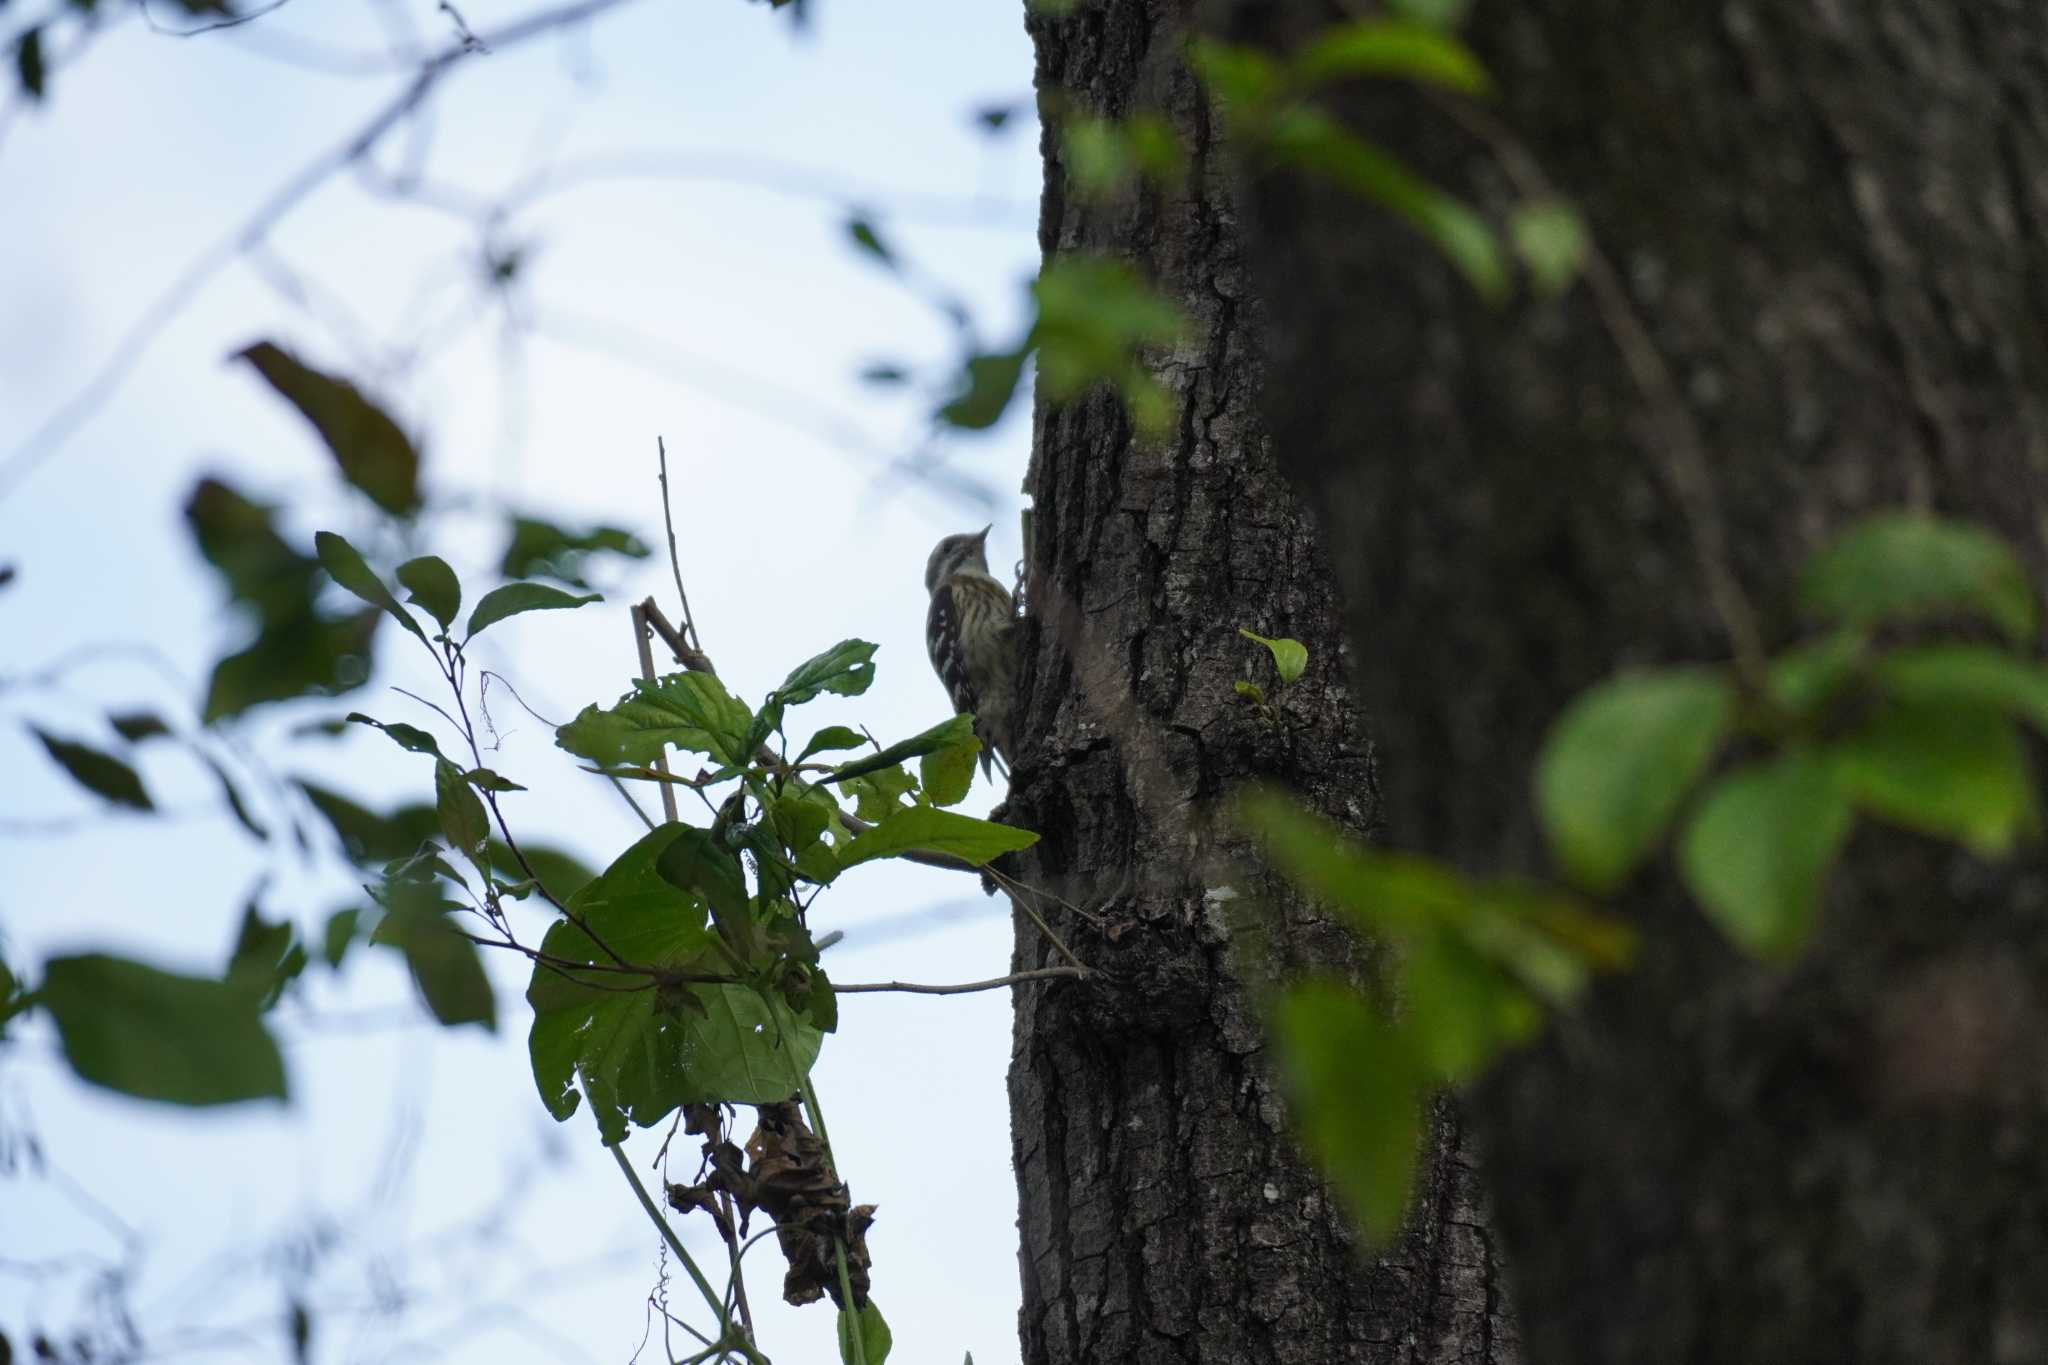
{"x": 668, "y": 793}
{"x": 966, "y": 988}
{"x": 675, "y": 563}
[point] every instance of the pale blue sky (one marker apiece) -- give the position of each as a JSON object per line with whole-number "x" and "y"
{"x": 729, "y": 316}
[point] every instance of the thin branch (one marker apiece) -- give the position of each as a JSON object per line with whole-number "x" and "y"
{"x": 675, "y": 563}
{"x": 639, "y": 614}
{"x": 966, "y": 988}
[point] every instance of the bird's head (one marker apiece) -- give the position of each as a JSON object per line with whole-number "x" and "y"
{"x": 968, "y": 550}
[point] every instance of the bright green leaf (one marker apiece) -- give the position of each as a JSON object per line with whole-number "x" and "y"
{"x": 1244, "y": 78}
{"x": 1249, "y": 691}
{"x": 875, "y": 1341}
{"x": 847, "y": 669}
{"x": 832, "y": 737}
{"x": 1550, "y": 237}
{"x": 1290, "y": 657}
{"x": 1899, "y": 566}
{"x": 1620, "y": 760}
{"x": 639, "y": 1054}
{"x": 1951, "y": 769}
{"x": 945, "y": 735}
{"x": 929, "y": 830}
{"x": 1970, "y": 676}
{"x": 1393, "y": 48}
{"x": 514, "y": 598}
{"x": 947, "y": 774}
{"x": 1807, "y": 677}
{"x": 97, "y": 771}
{"x": 434, "y": 586}
{"x": 691, "y": 711}
{"x": 1357, "y": 1090}
{"x": 1309, "y": 138}
{"x": 158, "y": 1035}
{"x": 1758, "y": 850}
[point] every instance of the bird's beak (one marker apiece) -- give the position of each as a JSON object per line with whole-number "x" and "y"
{"x": 983, "y": 537}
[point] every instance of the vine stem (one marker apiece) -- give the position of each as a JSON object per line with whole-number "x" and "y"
{"x": 675, "y": 1244}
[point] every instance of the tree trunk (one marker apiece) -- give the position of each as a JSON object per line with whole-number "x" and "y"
{"x": 1166, "y": 1214}
{"x": 1832, "y": 220}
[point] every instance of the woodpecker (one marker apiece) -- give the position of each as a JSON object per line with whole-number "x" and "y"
{"x": 968, "y": 632}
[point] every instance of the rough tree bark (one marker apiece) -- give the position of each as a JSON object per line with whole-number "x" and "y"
{"x": 1833, "y": 220}
{"x": 1166, "y": 1215}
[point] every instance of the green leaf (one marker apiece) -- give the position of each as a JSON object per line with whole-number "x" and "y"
{"x": 1357, "y": 1090}
{"x": 1249, "y": 691}
{"x": 160, "y": 1036}
{"x": 1309, "y": 138}
{"x": 371, "y": 450}
{"x": 433, "y": 585}
{"x": 862, "y": 230}
{"x": 1968, "y": 676}
{"x": 1391, "y": 47}
{"x": 347, "y": 568}
{"x": 929, "y": 830}
{"x": 232, "y": 794}
{"x": 1550, "y": 237}
{"x": 1461, "y": 1011}
{"x": 97, "y": 771}
{"x": 946, "y": 774}
{"x": 461, "y": 812}
{"x": 367, "y": 837}
{"x": 1382, "y": 891}
{"x": 1953, "y": 770}
{"x": 1898, "y": 566}
{"x": 639, "y": 1054}
{"x": 1290, "y": 657}
{"x": 694, "y": 863}
{"x": 1806, "y": 678}
{"x": 339, "y": 934}
{"x": 1758, "y": 850}
{"x": 987, "y": 384}
{"x": 406, "y": 736}
{"x": 29, "y": 67}
{"x": 266, "y": 957}
{"x": 238, "y": 538}
{"x": 560, "y": 874}
{"x": 874, "y": 1339}
{"x": 830, "y": 738}
{"x": 311, "y": 656}
{"x": 137, "y": 726}
{"x": 1618, "y": 763}
{"x": 1244, "y": 78}
{"x": 945, "y": 735}
{"x": 876, "y": 794}
{"x": 514, "y": 598}
{"x": 444, "y": 964}
{"x": 484, "y": 779}
{"x": 541, "y": 549}
{"x": 1443, "y": 14}
{"x": 847, "y": 669}
{"x": 691, "y": 711}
